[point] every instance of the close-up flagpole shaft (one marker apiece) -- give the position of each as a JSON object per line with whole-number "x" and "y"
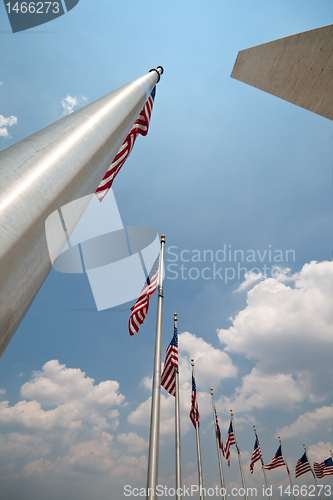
{"x": 288, "y": 471}
{"x": 314, "y": 475}
{"x": 239, "y": 456}
{"x": 218, "y": 446}
{"x": 177, "y": 429}
{"x": 59, "y": 164}
{"x": 262, "y": 464}
{"x": 198, "y": 449}
{"x": 152, "y": 475}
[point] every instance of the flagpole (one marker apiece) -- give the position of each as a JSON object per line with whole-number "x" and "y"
{"x": 198, "y": 448}
{"x": 218, "y": 447}
{"x": 314, "y": 476}
{"x": 262, "y": 463}
{"x": 152, "y": 475}
{"x": 53, "y": 167}
{"x": 285, "y": 462}
{"x": 177, "y": 429}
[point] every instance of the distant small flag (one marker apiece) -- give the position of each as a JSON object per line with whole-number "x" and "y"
{"x": 277, "y": 460}
{"x": 325, "y": 468}
{"x": 140, "y": 127}
{"x": 140, "y": 309}
{"x": 229, "y": 442}
{"x": 302, "y": 466}
{"x": 255, "y": 455}
{"x": 194, "y": 413}
{"x": 168, "y": 377}
{"x": 218, "y": 433}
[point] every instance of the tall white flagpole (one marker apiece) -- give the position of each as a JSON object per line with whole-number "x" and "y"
{"x": 198, "y": 449}
{"x": 262, "y": 463}
{"x": 289, "y": 475}
{"x": 152, "y": 476}
{"x": 218, "y": 446}
{"x": 239, "y": 456}
{"x": 177, "y": 430}
{"x": 314, "y": 476}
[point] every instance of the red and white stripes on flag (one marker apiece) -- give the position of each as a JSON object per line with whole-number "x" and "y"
{"x": 325, "y": 468}
{"x": 140, "y": 127}
{"x": 194, "y": 413}
{"x": 255, "y": 455}
{"x": 229, "y": 442}
{"x": 277, "y": 460}
{"x": 140, "y": 308}
{"x": 302, "y": 466}
{"x": 218, "y": 433}
{"x": 168, "y": 377}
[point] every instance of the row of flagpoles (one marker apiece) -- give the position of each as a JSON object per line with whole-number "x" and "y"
{"x": 169, "y": 379}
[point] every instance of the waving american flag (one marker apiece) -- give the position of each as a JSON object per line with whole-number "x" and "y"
{"x": 140, "y": 308}
{"x": 140, "y": 127}
{"x": 194, "y": 413}
{"x": 277, "y": 460}
{"x": 168, "y": 377}
{"x": 229, "y": 442}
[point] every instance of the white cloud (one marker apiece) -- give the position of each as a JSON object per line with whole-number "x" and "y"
{"x": 320, "y": 451}
{"x": 310, "y": 421}
{"x": 250, "y": 279}
{"x": 66, "y": 432}
{"x": 69, "y": 103}
{"x": 78, "y": 402}
{"x": 16, "y": 445}
{"x": 5, "y": 123}
{"x": 287, "y": 331}
{"x": 134, "y": 442}
{"x": 261, "y": 390}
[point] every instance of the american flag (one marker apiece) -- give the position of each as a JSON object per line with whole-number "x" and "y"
{"x": 229, "y": 442}
{"x": 302, "y": 466}
{"x": 194, "y": 413}
{"x": 140, "y": 308}
{"x": 325, "y": 468}
{"x": 255, "y": 455}
{"x": 218, "y": 433}
{"x": 140, "y": 127}
{"x": 168, "y": 377}
{"x": 277, "y": 460}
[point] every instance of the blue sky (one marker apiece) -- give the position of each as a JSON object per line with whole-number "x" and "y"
{"x": 224, "y": 165}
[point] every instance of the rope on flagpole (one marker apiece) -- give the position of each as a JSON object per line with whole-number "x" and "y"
{"x": 152, "y": 475}
{"x": 314, "y": 476}
{"x": 262, "y": 463}
{"x": 289, "y": 475}
{"x": 198, "y": 448}
{"x": 239, "y": 456}
{"x": 177, "y": 429}
{"x": 218, "y": 446}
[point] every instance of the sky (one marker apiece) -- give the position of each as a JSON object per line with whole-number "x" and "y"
{"x": 224, "y": 168}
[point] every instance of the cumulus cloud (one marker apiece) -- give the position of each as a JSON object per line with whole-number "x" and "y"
{"x": 134, "y": 442}
{"x": 261, "y": 390}
{"x": 69, "y": 103}
{"x": 250, "y": 279}
{"x": 78, "y": 402}
{"x": 286, "y": 329}
{"x": 5, "y": 123}
{"x": 63, "y": 432}
{"x": 308, "y": 422}
{"x": 16, "y": 445}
